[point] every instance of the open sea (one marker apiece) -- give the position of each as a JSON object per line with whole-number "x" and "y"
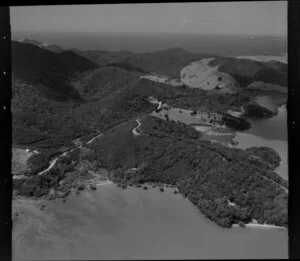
{"x": 112, "y": 223}
{"x": 230, "y": 45}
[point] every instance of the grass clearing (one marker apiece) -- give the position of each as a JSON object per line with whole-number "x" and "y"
{"x": 19, "y": 160}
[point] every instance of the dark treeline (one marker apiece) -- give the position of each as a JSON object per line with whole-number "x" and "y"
{"x": 254, "y": 110}
{"x": 236, "y": 123}
{"x": 210, "y": 101}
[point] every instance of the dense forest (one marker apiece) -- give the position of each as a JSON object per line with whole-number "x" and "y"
{"x": 254, "y": 110}
{"x": 208, "y": 179}
{"x": 33, "y": 64}
{"x": 245, "y": 71}
{"x": 127, "y": 66}
{"x": 167, "y": 62}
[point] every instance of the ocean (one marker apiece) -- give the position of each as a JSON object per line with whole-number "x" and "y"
{"x": 112, "y": 223}
{"x": 227, "y": 45}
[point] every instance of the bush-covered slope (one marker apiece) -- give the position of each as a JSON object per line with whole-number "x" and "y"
{"x": 46, "y": 119}
{"x": 210, "y": 176}
{"x": 127, "y": 66}
{"x": 167, "y": 62}
{"x": 50, "y": 47}
{"x": 246, "y": 71}
{"x": 36, "y": 65}
{"x": 105, "y": 57}
{"x": 102, "y": 82}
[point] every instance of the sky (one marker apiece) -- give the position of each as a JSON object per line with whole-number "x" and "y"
{"x": 252, "y": 18}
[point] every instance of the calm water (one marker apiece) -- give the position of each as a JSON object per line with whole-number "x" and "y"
{"x": 271, "y": 129}
{"x": 112, "y": 223}
{"x": 149, "y": 42}
{"x": 270, "y": 133}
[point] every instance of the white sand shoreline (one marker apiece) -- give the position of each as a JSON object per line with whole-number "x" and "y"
{"x": 264, "y": 226}
{"x": 104, "y": 183}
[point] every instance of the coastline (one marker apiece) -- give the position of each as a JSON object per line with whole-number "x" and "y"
{"x": 265, "y": 58}
{"x": 248, "y": 225}
{"x": 104, "y": 183}
{"x": 152, "y": 213}
{"x": 262, "y": 226}
{"x": 252, "y": 138}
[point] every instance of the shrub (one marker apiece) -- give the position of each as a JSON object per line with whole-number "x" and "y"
{"x": 80, "y": 187}
{"x": 93, "y": 187}
{"x": 241, "y": 224}
{"x": 194, "y": 112}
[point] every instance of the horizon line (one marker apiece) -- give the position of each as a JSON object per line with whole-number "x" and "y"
{"x": 174, "y": 33}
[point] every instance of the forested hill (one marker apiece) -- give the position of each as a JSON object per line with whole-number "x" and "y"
{"x": 105, "y": 57}
{"x": 51, "y": 47}
{"x": 108, "y": 95}
{"x": 103, "y": 82}
{"x": 167, "y": 62}
{"x": 246, "y": 71}
{"x": 35, "y": 65}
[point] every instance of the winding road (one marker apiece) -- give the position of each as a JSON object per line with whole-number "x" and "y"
{"x": 134, "y": 130}
{"x": 62, "y": 155}
{"x": 52, "y": 164}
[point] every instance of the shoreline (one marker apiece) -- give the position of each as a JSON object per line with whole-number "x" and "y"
{"x": 262, "y": 226}
{"x": 264, "y": 58}
{"x": 248, "y": 225}
{"x": 104, "y": 183}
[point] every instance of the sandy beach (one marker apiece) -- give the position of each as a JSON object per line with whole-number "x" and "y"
{"x": 261, "y": 226}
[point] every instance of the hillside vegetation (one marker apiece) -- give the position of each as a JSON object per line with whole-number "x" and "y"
{"x": 48, "y": 117}
{"x": 102, "y": 82}
{"x": 167, "y": 62}
{"x": 208, "y": 179}
{"x": 104, "y": 57}
{"x": 50, "y": 47}
{"x": 127, "y": 66}
{"x": 33, "y": 64}
{"x": 246, "y": 71}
